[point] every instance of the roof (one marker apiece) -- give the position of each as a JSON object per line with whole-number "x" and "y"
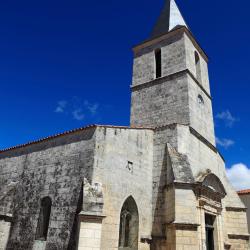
{"x": 70, "y": 132}
{"x": 170, "y": 18}
{"x": 242, "y": 192}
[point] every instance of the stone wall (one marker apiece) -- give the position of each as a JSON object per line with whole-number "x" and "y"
{"x": 161, "y": 206}
{"x": 173, "y": 59}
{"x": 174, "y": 97}
{"x": 201, "y": 112}
{"x": 190, "y": 50}
{"x": 157, "y": 102}
{"x": 118, "y": 160}
{"x": 123, "y": 164}
{"x": 53, "y": 168}
{"x": 246, "y": 200}
{"x": 202, "y": 157}
{"x": 90, "y": 235}
{"x": 162, "y": 102}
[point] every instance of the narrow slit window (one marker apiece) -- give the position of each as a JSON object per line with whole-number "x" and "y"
{"x": 198, "y": 67}
{"x": 158, "y": 70}
{"x": 44, "y": 218}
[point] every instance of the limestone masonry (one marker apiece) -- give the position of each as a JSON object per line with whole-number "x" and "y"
{"x": 159, "y": 184}
{"x": 245, "y": 197}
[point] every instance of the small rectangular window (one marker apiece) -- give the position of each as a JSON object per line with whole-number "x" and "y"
{"x": 158, "y": 63}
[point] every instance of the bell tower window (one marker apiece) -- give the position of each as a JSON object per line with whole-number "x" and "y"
{"x": 158, "y": 59}
{"x": 198, "y": 67}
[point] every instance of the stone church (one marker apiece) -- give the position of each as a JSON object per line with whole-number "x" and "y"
{"x": 158, "y": 184}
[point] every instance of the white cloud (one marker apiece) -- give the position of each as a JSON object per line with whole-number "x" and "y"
{"x": 239, "y": 176}
{"x": 225, "y": 143}
{"x": 227, "y": 118}
{"x": 78, "y": 114}
{"x": 91, "y": 107}
{"x": 78, "y": 108}
{"x": 61, "y": 105}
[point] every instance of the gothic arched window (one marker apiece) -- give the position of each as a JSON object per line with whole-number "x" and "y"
{"x": 44, "y": 218}
{"x": 198, "y": 66}
{"x": 158, "y": 70}
{"x": 129, "y": 225}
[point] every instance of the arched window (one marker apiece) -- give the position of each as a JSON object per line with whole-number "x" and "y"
{"x": 201, "y": 100}
{"x": 129, "y": 225}
{"x": 44, "y": 217}
{"x": 198, "y": 66}
{"x": 158, "y": 70}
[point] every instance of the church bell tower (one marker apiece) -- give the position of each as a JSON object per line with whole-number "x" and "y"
{"x": 192, "y": 199}
{"x": 170, "y": 77}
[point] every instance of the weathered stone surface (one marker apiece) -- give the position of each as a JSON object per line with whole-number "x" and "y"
{"x": 56, "y": 169}
{"x": 246, "y": 200}
{"x": 61, "y": 167}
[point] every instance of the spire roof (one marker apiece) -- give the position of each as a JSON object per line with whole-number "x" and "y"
{"x": 169, "y": 19}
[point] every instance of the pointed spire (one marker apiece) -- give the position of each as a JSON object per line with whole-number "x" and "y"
{"x": 169, "y": 19}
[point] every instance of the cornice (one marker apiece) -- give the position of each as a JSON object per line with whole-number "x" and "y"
{"x": 169, "y": 77}
{"x": 236, "y": 209}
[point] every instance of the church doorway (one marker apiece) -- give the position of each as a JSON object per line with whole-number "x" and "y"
{"x": 210, "y": 220}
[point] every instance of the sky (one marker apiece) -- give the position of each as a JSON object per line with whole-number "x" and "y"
{"x": 66, "y": 64}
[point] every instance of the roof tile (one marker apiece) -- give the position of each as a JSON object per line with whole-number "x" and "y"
{"x": 242, "y": 192}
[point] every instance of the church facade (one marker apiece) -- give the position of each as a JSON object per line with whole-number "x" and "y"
{"x": 155, "y": 185}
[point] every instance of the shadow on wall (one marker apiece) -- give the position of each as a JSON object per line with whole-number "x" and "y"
{"x": 158, "y": 231}
{"x": 74, "y": 236}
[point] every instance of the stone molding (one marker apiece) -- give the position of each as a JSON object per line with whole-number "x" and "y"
{"x": 203, "y": 139}
{"x": 239, "y": 236}
{"x": 91, "y": 217}
{"x": 211, "y": 182}
{"x": 183, "y": 226}
{"x": 167, "y": 78}
{"x": 236, "y": 209}
{"x": 180, "y": 185}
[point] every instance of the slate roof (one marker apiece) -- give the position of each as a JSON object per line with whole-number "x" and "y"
{"x": 169, "y": 19}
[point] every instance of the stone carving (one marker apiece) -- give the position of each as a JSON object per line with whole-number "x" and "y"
{"x": 92, "y": 198}
{"x": 212, "y": 182}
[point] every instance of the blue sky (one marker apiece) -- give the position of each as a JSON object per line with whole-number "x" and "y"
{"x": 65, "y": 64}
